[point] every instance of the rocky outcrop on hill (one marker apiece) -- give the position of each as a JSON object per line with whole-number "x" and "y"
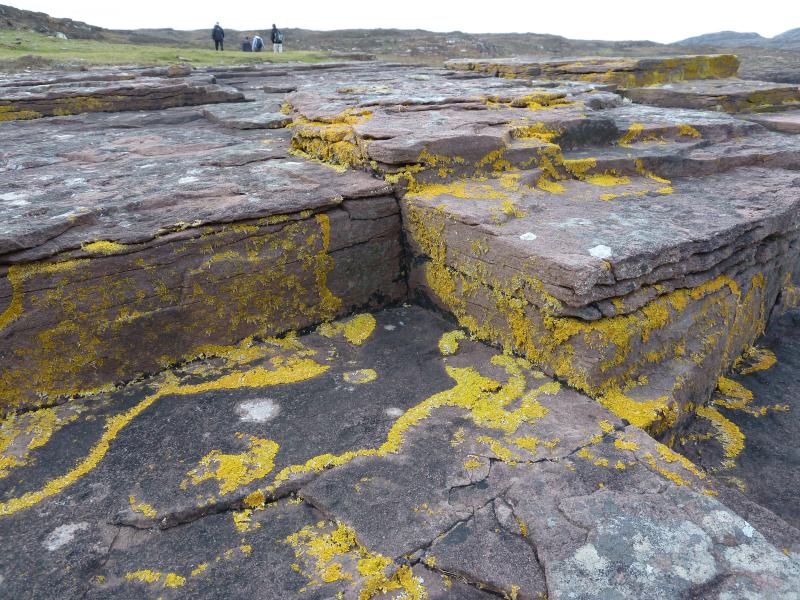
{"x": 15, "y": 18}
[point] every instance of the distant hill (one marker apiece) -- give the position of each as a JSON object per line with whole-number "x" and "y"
{"x": 26, "y": 20}
{"x": 788, "y": 40}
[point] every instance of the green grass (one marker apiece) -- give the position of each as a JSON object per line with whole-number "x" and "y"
{"x": 20, "y": 49}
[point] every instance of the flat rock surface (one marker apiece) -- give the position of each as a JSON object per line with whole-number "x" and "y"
{"x": 729, "y": 95}
{"x": 135, "y": 175}
{"x": 226, "y": 476}
{"x": 785, "y": 122}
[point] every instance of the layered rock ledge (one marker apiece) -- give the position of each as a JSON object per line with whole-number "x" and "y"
{"x": 203, "y": 392}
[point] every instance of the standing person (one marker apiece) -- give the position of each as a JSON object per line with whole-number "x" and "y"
{"x": 218, "y": 35}
{"x": 246, "y": 45}
{"x": 258, "y": 43}
{"x": 277, "y": 40}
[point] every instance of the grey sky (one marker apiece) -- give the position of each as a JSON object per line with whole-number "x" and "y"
{"x": 662, "y": 21}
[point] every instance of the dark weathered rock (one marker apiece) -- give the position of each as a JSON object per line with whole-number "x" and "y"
{"x": 785, "y": 122}
{"x": 159, "y": 235}
{"x": 76, "y": 96}
{"x": 451, "y": 469}
{"x": 747, "y": 441}
{"x": 622, "y": 72}
{"x": 729, "y": 95}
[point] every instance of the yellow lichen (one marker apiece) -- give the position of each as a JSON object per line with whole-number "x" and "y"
{"x": 142, "y": 507}
{"x": 355, "y": 330}
{"x": 688, "y": 131}
{"x": 360, "y": 376}
{"x": 727, "y": 433}
{"x": 294, "y": 371}
{"x": 103, "y": 247}
{"x": 233, "y": 471}
{"x": 448, "y": 343}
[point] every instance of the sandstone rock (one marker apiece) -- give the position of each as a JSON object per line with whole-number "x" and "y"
{"x": 209, "y": 480}
{"x": 620, "y": 72}
{"x": 59, "y": 99}
{"x": 729, "y": 95}
{"x": 785, "y": 122}
{"x": 633, "y": 251}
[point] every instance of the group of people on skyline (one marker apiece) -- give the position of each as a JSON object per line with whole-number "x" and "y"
{"x": 254, "y": 44}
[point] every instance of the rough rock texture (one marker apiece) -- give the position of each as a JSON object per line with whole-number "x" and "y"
{"x": 633, "y": 251}
{"x": 785, "y": 122}
{"x": 758, "y": 453}
{"x": 169, "y": 235}
{"x": 451, "y": 469}
{"x": 729, "y": 95}
{"x": 153, "y": 89}
{"x": 158, "y": 440}
{"x": 622, "y": 72}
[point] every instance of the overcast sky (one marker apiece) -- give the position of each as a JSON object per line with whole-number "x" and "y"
{"x": 661, "y": 21}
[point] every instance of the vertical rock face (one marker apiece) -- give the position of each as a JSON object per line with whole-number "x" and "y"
{"x": 634, "y": 252}
{"x": 169, "y": 239}
{"x": 621, "y": 72}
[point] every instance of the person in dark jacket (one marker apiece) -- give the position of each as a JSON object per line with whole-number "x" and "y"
{"x": 277, "y": 39}
{"x": 247, "y": 46}
{"x": 218, "y": 35}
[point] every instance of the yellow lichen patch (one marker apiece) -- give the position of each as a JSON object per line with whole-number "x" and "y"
{"x": 483, "y": 398}
{"x": 535, "y": 131}
{"x": 499, "y": 450}
{"x": 233, "y": 471}
{"x": 21, "y": 434}
{"x": 103, "y": 247}
{"x": 325, "y": 552}
{"x": 458, "y": 437}
{"x": 360, "y": 376}
{"x": 297, "y": 369}
{"x": 472, "y": 463}
{"x": 332, "y": 141}
{"x": 727, "y": 433}
{"x": 10, "y": 112}
{"x": 173, "y": 580}
{"x": 605, "y": 426}
{"x": 642, "y": 170}
{"x": 243, "y": 522}
{"x": 756, "y": 359}
{"x": 670, "y": 456}
{"x": 634, "y": 131}
{"x": 466, "y": 190}
{"x": 143, "y": 575}
{"x": 637, "y": 412}
{"x": 355, "y": 330}
{"x": 579, "y": 167}
{"x": 199, "y": 569}
{"x": 666, "y": 473}
{"x": 624, "y": 444}
{"x": 547, "y": 185}
{"x": 142, "y": 508}
{"x": 448, "y": 343}
{"x": 607, "y": 179}
{"x": 688, "y": 131}
{"x": 737, "y": 395}
{"x": 528, "y": 443}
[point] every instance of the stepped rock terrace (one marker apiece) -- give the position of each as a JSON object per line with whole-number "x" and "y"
{"x": 371, "y": 330}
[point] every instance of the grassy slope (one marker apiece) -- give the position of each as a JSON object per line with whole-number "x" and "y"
{"x": 21, "y": 48}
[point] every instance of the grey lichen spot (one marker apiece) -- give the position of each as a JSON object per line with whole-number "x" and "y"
{"x": 63, "y": 535}
{"x": 259, "y": 410}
